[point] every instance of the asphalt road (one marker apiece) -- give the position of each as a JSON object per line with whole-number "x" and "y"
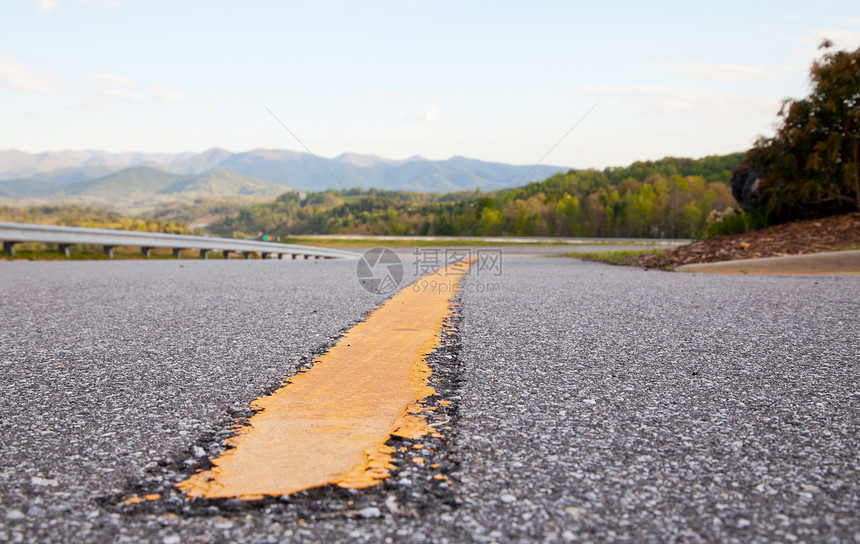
{"x": 588, "y": 403}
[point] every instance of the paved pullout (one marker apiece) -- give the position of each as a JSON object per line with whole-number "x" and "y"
{"x": 832, "y": 262}
{"x": 597, "y": 403}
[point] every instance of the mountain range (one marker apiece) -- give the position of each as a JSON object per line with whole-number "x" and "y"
{"x": 146, "y": 180}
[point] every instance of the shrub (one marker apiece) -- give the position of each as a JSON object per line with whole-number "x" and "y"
{"x": 733, "y": 221}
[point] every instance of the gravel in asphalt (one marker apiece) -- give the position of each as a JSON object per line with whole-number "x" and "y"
{"x": 613, "y": 404}
{"x": 587, "y": 403}
{"x": 109, "y": 368}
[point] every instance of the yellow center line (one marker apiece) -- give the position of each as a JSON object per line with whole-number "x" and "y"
{"x": 329, "y": 425}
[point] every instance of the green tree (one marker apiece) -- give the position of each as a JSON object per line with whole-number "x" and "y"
{"x": 812, "y": 162}
{"x": 567, "y": 213}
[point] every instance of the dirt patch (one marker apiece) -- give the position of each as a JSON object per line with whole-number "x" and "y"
{"x": 802, "y": 237}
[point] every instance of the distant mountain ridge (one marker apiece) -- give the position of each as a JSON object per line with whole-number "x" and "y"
{"x": 142, "y": 180}
{"x": 138, "y": 188}
{"x": 293, "y": 169}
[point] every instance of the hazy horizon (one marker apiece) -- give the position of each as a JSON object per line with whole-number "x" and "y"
{"x": 499, "y": 82}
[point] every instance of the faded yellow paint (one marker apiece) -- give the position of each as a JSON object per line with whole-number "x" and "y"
{"x": 329, "y": 425}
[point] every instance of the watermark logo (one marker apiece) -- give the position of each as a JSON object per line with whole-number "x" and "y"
{"x": 379, "y": 270}
{"x": 485, "y": 262}
{"x": 429, "y": 259}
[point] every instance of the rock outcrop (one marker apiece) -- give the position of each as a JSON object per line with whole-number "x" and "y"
{"x": 745, "y": 184}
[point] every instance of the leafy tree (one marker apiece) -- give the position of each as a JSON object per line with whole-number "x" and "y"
{"x": 811, "y": 165}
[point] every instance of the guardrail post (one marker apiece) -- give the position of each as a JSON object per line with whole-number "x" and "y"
{"x": 9, "y": 247}
{"x": 63, "y": 238}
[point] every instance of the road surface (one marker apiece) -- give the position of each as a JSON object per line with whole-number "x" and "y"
{"x": 587, "y": 403}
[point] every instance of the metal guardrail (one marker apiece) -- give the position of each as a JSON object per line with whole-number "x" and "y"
{"x": 16, "y": 233}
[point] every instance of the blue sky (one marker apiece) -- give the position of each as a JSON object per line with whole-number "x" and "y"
{"x": 497, "y": 81}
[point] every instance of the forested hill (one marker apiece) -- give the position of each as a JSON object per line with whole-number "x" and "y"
{"x": 712, "y": 168}
{"x": 671, "y": 197}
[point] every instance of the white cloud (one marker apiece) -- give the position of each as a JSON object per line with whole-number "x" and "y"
{"x": 719, "y": 72}
{"x": 44, "y": 6}
{"x": 110, "y": 90}
{"x": 842, "y": 38}
{"x": 424, "y": 114}
{"x": 16, "y": 75}
{"x": 105, "y": 98}
{"x": 679, "y": 100}
{"x": 170, "y": 96}
{"x": 112, "y": 80}
{"x": 387, "y": 96}
{"x": 121, "y": 95}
